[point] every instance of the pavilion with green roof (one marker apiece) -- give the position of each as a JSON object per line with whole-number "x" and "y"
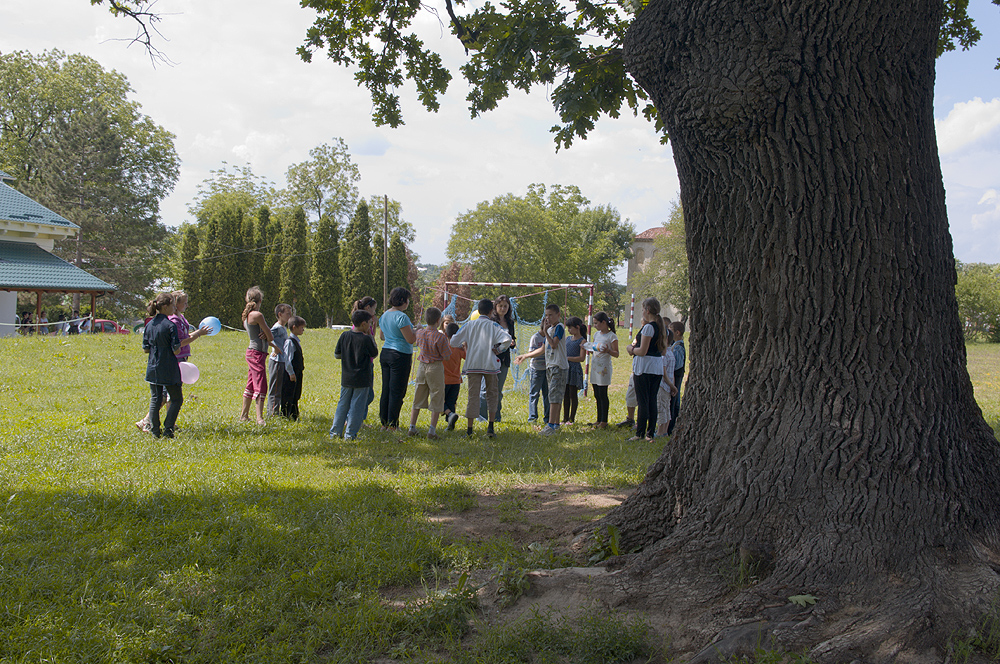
{"x": 28, "y": 233}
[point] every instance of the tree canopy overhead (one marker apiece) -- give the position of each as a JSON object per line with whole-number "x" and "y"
{"x": 575, "y": 48}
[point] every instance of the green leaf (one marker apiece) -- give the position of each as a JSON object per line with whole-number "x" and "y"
{"x": 802, "y": 600}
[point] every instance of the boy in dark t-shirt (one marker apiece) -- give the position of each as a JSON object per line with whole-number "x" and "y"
{"x": 355, "y": 350}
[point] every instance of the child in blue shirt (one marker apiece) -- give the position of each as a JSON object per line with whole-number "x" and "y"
{"x": 680, "y": 356}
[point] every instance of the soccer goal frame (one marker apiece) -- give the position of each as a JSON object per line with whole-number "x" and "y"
{"x": 546, "y": 287}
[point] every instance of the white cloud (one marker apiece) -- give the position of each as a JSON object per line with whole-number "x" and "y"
{"x": 967, "y": 123}
{"x": 990, "y": 217}
{"x": 260, "y": 149}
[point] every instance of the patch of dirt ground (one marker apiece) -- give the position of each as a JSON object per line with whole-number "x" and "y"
{"x": 553, "y": 516}
{"x": 544, "y": 513}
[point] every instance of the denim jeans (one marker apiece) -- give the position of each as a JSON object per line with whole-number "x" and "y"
{"x": 351, "y": 410}
{"x": 395, "y": 378}
{"x": 539, "y": 386}
{"x": 157, "y": 396}
{"x": 501, "y": 378}
{"x": 675, "y": 402}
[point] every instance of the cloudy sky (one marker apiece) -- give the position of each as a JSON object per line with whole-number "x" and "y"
{"x": 238, "y": 93}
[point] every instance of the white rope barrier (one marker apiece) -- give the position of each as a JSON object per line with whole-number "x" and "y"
{"x": 51, "y": 323}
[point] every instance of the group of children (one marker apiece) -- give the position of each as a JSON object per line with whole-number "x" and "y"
{"x": 439, "y": 370}
{"x": 658, "y": 357}
{"x": 282, "y": 387}
{"x": 167, "y": 337}
{"x": 556, "y": 353}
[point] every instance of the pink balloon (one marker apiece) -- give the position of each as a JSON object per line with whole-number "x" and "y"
{"x": 189, "y": 373}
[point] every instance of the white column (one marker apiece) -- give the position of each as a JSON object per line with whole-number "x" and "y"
{"x": 8, "y": 313}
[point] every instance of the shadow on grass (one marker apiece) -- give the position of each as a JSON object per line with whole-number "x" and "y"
{"x": 606, "y": 455}
{"x": 265, "y": 574}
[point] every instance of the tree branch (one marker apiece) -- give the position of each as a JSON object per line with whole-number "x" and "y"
{"x": 466, "y": 36}
{"x": 141, "y": 11}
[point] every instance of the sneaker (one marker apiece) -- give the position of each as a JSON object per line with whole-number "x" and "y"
{"x": 549, "y": 431}
{"x": 412, "y": 432}
{"x": 452, "y": 419}
{"x": 480, "y": 418}
{"x": 626, "y": 424}
{"x": 432, "y": 436}
{"x": 490, "y": 433}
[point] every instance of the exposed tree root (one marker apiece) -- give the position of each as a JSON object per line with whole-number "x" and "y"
{"x": 688, "y": 600}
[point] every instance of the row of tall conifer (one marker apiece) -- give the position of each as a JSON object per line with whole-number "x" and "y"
{"x": 318, "y": 268}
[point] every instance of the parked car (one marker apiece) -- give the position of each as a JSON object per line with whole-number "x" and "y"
{"x": 109, "y": 326}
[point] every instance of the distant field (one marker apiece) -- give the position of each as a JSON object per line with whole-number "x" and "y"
{"x": 984, "y": 369}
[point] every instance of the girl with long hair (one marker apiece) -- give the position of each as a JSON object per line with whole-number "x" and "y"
{"x": 260, "y": 337}
{"x": 184, "y": 329}
{"x": 575, "y": 355}
{"x": 161, "y": 341}
{"x": 605, "y": 346}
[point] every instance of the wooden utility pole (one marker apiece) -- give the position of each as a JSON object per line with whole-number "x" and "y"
{"x": 385, "y": 253}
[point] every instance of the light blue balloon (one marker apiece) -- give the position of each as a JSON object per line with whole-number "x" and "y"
{"x": 213, "y": 323}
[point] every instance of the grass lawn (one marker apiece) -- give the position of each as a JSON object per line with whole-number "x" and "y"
{"x": 238, "y": 543}
{"x": 277, "y": 544}
{"x": 984, "y": 368}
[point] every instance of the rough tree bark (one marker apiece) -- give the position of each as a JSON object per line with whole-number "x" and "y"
{"x": 829, "y": 427}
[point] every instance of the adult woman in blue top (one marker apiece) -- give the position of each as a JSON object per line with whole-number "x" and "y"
{"x": 396, "y": 358}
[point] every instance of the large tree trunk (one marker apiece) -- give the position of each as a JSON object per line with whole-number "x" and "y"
{"x": 829, "y": 425}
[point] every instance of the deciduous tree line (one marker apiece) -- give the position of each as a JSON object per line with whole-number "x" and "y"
{"x": 552, "y": 234}
{"x": 978, "y": 292}
{"x": 73, "y": 140}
